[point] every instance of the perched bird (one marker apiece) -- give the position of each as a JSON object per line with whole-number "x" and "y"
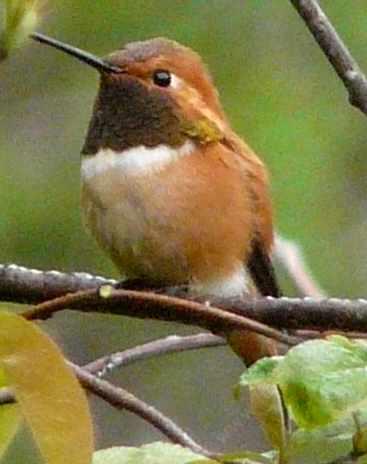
{"x": 169, "y": 191}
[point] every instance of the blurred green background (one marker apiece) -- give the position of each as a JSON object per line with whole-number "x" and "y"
{"x": 280, "y": 94}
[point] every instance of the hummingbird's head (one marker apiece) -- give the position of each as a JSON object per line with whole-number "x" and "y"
{"x": 151, "y": 92}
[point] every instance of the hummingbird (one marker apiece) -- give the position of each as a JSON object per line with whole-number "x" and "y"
{"x": 169, "y": 191}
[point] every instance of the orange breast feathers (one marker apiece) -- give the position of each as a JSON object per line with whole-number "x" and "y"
{"x": 191, "y": 220}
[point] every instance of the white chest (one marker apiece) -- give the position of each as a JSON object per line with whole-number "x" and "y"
{"x": 136, "y": 161}
{"x": 118, "y": 195}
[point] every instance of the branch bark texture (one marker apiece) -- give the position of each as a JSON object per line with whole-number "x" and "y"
{"x": 21, "y": 285}
{"x": 149, "y": 305}
{"x": 335, "y": 50}
{"x": 122, "y": 399}
{"x": 163, "y": 346}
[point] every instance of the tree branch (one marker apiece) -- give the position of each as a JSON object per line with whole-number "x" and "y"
{"x": 149, "y": 305}
{"x": 170, "y": 344}
{"x": 335, "y": 50}
{"x": 23, "y": 285}
{"x": 284, "y": 313}
{"x": 122, "y": 399}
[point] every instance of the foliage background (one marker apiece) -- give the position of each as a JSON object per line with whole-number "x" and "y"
{"x": 280, "y": 94}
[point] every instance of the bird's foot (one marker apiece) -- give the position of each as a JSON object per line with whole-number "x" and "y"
{"x": 139, "y": 284}
{"x": 146, "y": 285}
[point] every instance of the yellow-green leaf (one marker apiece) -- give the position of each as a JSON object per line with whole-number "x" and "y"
{"x": 322, "y": 381}
{"x": 249, "y": 457}
{"x": 320, "y": 445}
{"x": 153, "y": 453}
{"x": 49, "y": 396}
{"x": 10, "y": 420}
{"x": 360, "y": 436}
{"x": 266, "y": 405}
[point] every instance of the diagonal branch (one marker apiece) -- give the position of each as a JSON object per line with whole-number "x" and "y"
{"x": 122, "y": 399}
{"x": 163, "y": 346}
{"x": 143, "y": 304}
{"x": 335, "y": 50}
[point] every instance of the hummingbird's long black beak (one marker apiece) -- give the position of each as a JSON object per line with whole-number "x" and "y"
{"x": 85, "y": 57}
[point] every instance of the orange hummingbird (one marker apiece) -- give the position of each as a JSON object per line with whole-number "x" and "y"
{"x": 169, "y": 191}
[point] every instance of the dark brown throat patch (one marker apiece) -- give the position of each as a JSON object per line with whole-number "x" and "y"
{"x": 127, "y": 113}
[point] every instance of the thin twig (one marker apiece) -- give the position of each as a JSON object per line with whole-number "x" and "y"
{"x": 289, "y": 254}
{"x": 335, "y": 50}
{"x": 168, "y": 345}
{"x": 122, "y": 399}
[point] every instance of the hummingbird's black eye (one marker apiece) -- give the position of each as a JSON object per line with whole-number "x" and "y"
{"x": 162, "y": 78}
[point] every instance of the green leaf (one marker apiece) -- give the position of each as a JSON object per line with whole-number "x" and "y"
{"x": 3, "y": 379}
{"x": 263, "y": 371}
{"x": 360, "y": 436}
{"x": 10, "y": 420}
{"x": 321, "y": 380}
{"x": 245, "y": 457}
{"x": 266, "y": 406}
{"x": 265, "y": 400}
{"x": 154, "y": 453}
{"x": 49, "y": 396}
{"x": 322, "y": 444}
